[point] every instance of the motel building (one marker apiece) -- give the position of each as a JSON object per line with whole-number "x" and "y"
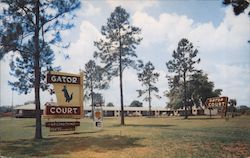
{"x": 132, "y": 111}
{"x": 144, "y": 111}
{"x": 28, "y": 111}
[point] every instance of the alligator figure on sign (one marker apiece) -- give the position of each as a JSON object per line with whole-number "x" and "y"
{"x": 66, "y": 94}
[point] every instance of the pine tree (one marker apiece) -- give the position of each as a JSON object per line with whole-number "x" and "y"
{"x": 182, "y": 65}
{"x": 27, "y": 23}
{"x": 117, "y": 49}
{"x": 94, "y": 79}
{"x": 148, "y": 78}
{"x": 22, "y": 68}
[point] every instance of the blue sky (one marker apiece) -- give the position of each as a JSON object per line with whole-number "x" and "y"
{"x": 219, "y": 35}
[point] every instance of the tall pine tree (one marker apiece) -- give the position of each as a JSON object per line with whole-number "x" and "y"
{"x": 35, "y": 23}
{"x": 148, "y": 78}
{"x": 182, "y": 64}
{"x": 117, "y": 49}
{"x": 94, "y": 79}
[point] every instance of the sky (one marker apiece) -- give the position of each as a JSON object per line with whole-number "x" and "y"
{"x": 220, "y": 37}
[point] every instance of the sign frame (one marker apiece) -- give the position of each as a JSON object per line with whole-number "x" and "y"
{"x": 98, "y": 117}
{"x": 73, "y": 79}
{"x": 219, "y": 103}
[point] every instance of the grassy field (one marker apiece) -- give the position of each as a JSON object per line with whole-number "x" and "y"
{"x": 140, "y": 138}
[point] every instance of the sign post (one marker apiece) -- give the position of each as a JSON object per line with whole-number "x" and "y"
{"x": 69, "y": 93}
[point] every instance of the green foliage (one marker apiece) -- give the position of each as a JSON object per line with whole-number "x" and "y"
{"x": 136, "y": 103}
{"x": 239, "y": 6}
{"x": 110, "y": 105}
{"x": 98, "y": 99}
{"x": 243, "y": 109}
{"x": 19, "y": 23}
{"x": 118, "y": 46}
{"x": 94, "y": 78}
{"x": 232, "y": 102}
{"x": 175, "y": 97}
{"x": 22, "y": 68}
{"x": 148, "y": 78}
{"x": 182, "y": 65}
{"x": 117, "y": 49}
{"x": 199, "y": 88}
{"x": 183, "y": 59}
{"x": 4, "y": 109}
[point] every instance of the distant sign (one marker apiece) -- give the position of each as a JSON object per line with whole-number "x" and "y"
{"x": 216, "y": 102}
{"x": 98, "y": 117}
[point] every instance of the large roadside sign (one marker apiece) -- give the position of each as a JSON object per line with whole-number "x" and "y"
{"x": 69, "y": 93}
{"x": 216, "y": 102}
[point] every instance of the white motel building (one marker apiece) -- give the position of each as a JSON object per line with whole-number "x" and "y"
{"x": 29, "y": 111}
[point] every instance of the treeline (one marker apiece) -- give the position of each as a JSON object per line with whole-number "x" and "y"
{"x": 5, "y": 109}
{"x": 243, "y": 110}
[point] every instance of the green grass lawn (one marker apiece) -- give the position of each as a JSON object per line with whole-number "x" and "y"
{"x": 140, "y": 138}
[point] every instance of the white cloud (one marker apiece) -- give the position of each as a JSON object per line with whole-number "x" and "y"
{"x": 225, "y": 44}
{"x": 234, "y": 80}
{"x": 134, "y": 5}
{"x": 169, "y": 27}
{"x": 82, "y": 49}
{"x": 90, "y": 10}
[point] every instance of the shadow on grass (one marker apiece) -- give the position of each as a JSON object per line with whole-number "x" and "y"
{"x": 65, "y": 145}
{"x": 146, "y": 125}
{"x": 201, "y": 118}
{"x": 31, "y": 126}
{"x": 76, "y": 133}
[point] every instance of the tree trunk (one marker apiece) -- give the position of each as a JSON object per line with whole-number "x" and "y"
{"x": 38, "y": 132}
{"x": 232, "y": 111}
{"x": 210, "y": 113}
{"x": 149, "y": 102}
{"x": 121, "y": 86}
{"x": 185, "y": 96}
{"x": 121, "y": 92}
{"x": 92, "y": 97}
